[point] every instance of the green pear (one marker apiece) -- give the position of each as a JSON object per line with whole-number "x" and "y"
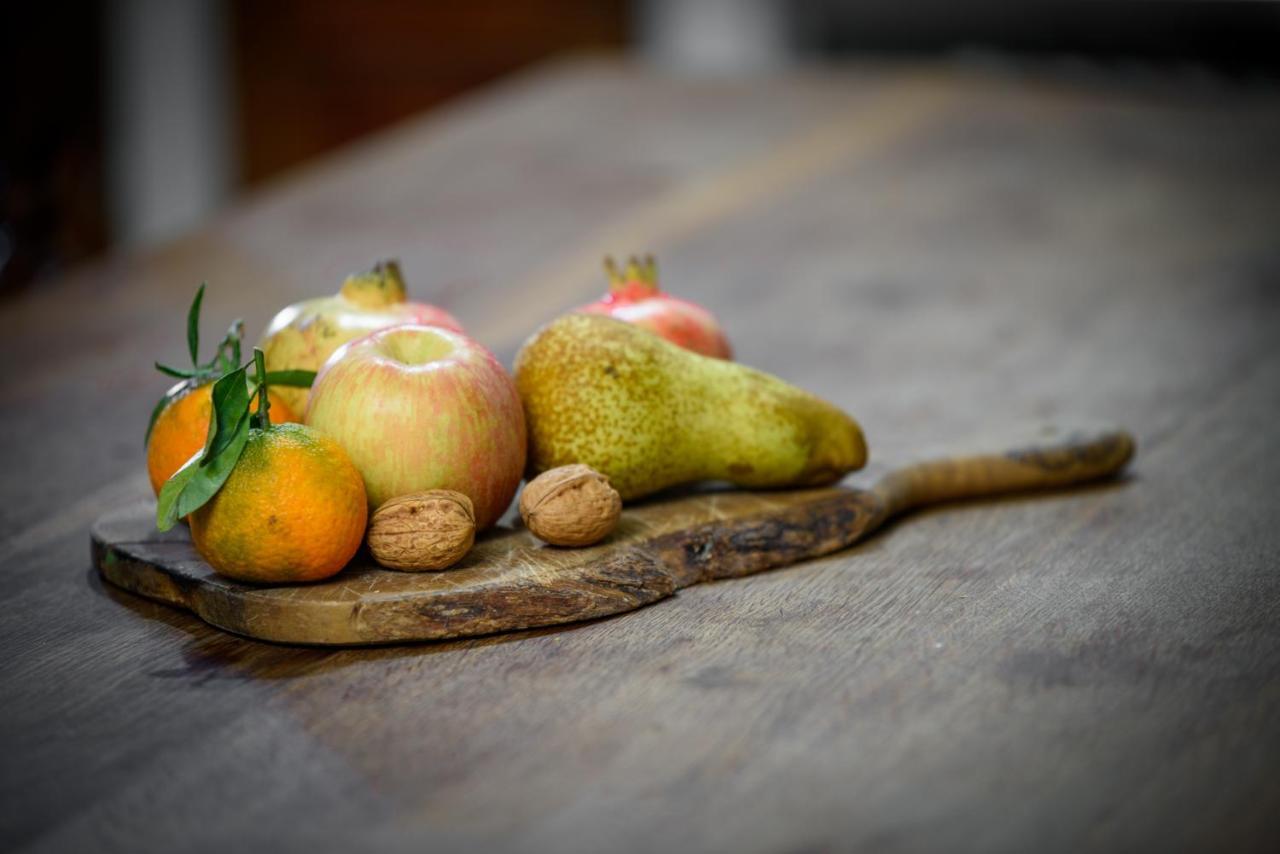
{"x": 648, "y": 414}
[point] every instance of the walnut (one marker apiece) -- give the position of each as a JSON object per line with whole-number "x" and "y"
{"x": 423, "y": 530}
{"x": 570, "y": 506}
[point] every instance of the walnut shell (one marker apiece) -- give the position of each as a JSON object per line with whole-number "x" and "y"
{"x": 570, "y": 506}
{"x": 423, "y": 530}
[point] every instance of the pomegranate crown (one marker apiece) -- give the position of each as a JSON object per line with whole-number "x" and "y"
{"x": 378, "y": 287}
{"x": 639, "y": 270}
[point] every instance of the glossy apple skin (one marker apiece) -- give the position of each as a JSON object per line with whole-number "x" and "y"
{"x": 420, "y": 407}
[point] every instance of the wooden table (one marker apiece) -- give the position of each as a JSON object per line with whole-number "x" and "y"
{"x": 939, "y": 251}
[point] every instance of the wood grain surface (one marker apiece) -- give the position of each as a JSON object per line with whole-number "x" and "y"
{"x": 941, "y": 251}
{"x": 510, "y": 580}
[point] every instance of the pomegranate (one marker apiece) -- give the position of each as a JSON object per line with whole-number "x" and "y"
{"x": 634, "y": 296}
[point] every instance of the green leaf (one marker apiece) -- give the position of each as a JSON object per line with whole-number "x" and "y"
{"x": 175, "y": 372}
{"x": 230, "y": 401}
{"x": 167, "y": 505}
{"x": 294, "y": 379}
{"x": 211, "y": 475}
{"x": 193, "y": 325}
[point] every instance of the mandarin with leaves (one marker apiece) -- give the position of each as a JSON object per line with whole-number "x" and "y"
{"x": 266, "y": 502}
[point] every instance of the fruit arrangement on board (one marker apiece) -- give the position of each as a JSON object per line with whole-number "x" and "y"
{"x": 367, "y": 418}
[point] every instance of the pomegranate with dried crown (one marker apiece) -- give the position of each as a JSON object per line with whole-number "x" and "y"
{"x": 304, "y": 335}
{"x": 634, "y": 296}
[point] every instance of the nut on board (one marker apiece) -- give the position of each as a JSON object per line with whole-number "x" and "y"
{"x": 570, "y": 506}
{"x": 423, "y": 530}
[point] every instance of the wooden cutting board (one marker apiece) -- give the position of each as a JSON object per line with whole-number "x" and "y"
{"x": 512, "y": 581}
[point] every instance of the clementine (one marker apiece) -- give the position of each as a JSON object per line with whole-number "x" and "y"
{"x": 292, "y": 509}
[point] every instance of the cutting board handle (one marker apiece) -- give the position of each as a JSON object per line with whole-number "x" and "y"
{"x": 1053, "y": 457}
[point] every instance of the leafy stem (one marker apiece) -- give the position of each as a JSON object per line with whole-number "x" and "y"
{"x": 226, "y": 358}
{"x": 262, "y": 419}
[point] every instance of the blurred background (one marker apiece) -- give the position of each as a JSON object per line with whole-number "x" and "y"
{"x": 129, "y": 122}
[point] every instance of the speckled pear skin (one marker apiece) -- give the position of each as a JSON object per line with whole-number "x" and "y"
{"x": 649, "y": 415}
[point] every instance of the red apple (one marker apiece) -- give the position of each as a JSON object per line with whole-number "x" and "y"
{"x": 421, "y": 407}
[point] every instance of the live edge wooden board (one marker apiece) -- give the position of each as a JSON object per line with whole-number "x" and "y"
{"x": 510, "y": 581}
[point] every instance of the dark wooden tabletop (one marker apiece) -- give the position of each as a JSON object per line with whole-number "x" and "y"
{"x": 940, "y": 252}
